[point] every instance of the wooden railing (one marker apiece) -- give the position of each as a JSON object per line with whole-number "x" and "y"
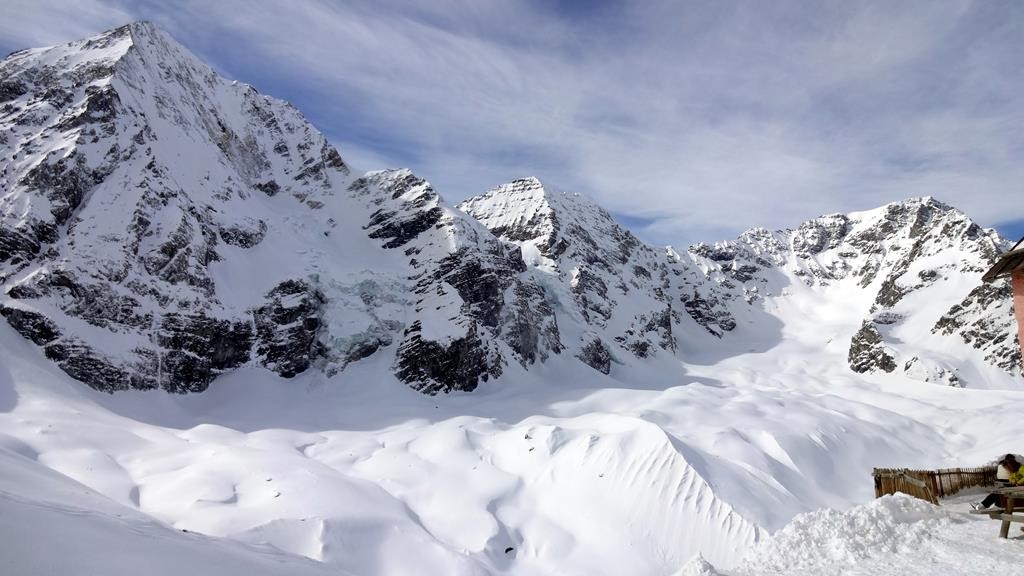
{"x": 931, "y": 485}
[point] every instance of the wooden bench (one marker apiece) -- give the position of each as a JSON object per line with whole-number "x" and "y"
{"x": 1004, "y": 528}
{"x": 988, "y": 511}
{"x": 1006, "y": 516}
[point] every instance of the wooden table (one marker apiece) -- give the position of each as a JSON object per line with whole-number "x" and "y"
{"x": 1013, "y": 495}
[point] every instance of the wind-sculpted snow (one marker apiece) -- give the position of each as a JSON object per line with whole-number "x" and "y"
{"x": 52, "y": 525}
{"x": 580, "y": 477}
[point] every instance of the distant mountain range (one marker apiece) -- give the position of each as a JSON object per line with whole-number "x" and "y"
{"x": 161, "y": 225}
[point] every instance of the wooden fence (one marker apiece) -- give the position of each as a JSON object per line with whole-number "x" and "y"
{"x": 931, "y": 485}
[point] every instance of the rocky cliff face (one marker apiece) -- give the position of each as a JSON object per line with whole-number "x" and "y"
{"x": 161, "y": 225}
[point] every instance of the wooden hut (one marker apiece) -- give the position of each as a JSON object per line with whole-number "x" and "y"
{"x": 1011, "y": 264}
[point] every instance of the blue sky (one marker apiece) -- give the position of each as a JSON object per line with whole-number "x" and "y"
{"x": 688, "y": 120}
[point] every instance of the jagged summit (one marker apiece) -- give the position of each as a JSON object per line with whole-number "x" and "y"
{"x": 543, "y": 221}
{"x": 92, "y": 59}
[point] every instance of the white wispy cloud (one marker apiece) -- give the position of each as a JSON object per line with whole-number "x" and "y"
{"x": 704, "y": 118}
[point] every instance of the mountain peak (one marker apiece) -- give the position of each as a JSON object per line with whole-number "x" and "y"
{"x": 525, "y": 210}
{"x": 107, "y": 47}
{"x": 519, "y": 210}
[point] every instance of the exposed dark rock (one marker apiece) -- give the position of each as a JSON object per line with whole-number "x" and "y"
{"x": 718, "y": 253}
{"x": 82, "y": 363}
{"x": 820, "y": 234}
{"x": 183, "y": 256}
{"x": 99, "y": 304}
{"x": 867, "y": 353}
{"x": 244, "y": 236}
{"x": 32, "y": 325}
{"x": 709, "y": 313}
{"x": 100, "y": 106}
{"x": 744, "y": 272}
{"x": 892, "y": 291}
{"x": 596, "y": 355}
{"x": 365, "y": 347}
{"x": 288, "y": 327}
{"x": 64, "y": 183}
{"x": 332, "y": 159}
{"x": 592, "y": 295}
{"x": 399, "y": 230}
{"x": 270, "y": 187}
{"x": 982, "y": 297}
{"x": 977, "y": 326}
{"x": 17, "y": 245}
{"x": 432, "y": 367}
{"x": 196, "y": 348}
{"x": 480, "y": 283}
{"x": 532, "y": 330}
{"x": 11, "y": 89}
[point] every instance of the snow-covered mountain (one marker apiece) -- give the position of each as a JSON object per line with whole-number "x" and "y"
{"x": 162, "y": 225}
{"x": 909, "y": 270}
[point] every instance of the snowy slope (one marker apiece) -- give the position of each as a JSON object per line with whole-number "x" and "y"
{"x": 576, "y": 475}
{"x": 52, "y": 525}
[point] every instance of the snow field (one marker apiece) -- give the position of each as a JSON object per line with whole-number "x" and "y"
{"x": 585, "y": 477}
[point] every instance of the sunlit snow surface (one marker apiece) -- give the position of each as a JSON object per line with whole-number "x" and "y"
{"x": 573, "y": 472}
{"x": 706, "y": 448}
